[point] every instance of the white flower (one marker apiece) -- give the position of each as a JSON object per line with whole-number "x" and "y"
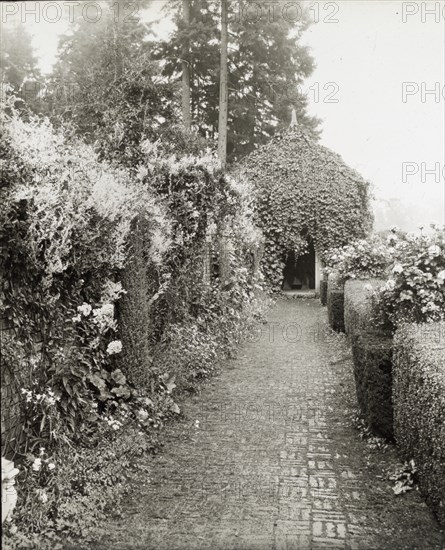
{"x": 441, "y": 275}
{"x": 397, "y": 268}
{"x": 42, "y": 450}
{"x": 111, "y": 291}
{"x": 212, "y": 228}
{"x": 115, "y": 424}
{"x": 85, "y": 309}
{"x": 51, "y": 466}
{"x": 28, "y": 394}
{"x": 368, "y": 287}
{"x": 141, "y": 172}
{"x": 114, "y": 347}
{"x": 43, "y": 497}
{"x": 142, "y": 414}
{"x": 390, "y": 284}
{"x": 434, "y": 250}
{"x": 76, "y": 319}
{"x": 36, "y": 465}
{"x": 103, "y": 317}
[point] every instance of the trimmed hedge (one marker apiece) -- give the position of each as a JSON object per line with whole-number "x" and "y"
{"x": 372, "y": 357}
{"x": 419, "y": 405}
{"x": 335, "y": 303}
{"x": 378, "y": 372}
{"x": 357, "y": 308}
{"x": 323, "y": 292}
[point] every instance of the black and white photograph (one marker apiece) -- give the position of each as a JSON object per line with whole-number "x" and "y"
{"x": 222, "y": 274}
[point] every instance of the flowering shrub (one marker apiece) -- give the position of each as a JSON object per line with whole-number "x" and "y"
{"x": 106, "y": 290}
{"x": 415, "y": 289}
{"x": 413, "y": 265}
{"x": 212, "y": 215}
{"x": 66, "y": 221}
{"x": 363, "y": 258}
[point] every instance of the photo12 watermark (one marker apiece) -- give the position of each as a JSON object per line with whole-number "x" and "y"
{"x": 258, "y": 413}
{"x": 274, "y": 11}
{"x": 327, "y": 92}
{"x": 425, "y": 92}
{"x": 426, "y": 12}
{"x": 55, "y": 12}
{"x": 415, "y": 172}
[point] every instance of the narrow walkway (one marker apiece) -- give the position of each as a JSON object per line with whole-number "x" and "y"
{"x": 266, "y": 458}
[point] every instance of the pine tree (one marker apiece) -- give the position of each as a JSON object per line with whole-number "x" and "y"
{"x": 18, "y": 62}
{"x": 186, "y": 114}
{"x": 267, "y": 66}
{"x": 223, "y": 88}
{"x": 114, "y": 94}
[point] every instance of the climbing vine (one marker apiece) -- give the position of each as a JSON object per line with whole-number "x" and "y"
{"x": 119, "y": 285}
{"x": 305, "y": 193}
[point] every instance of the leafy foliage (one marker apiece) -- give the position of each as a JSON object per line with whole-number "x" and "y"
{"x": 104, "y": 267}
{"x": 415, "y": 289}
{"x": 363, "y": 258}
{"x": 66, "y": 491}
{"x": 405, "y": 478}
{"x": 64, "y": 234}
{"x": 304, "y": 193}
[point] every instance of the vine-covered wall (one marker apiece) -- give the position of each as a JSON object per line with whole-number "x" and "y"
{"x": 106, "y": 265}
{"x": 304, "y": 191}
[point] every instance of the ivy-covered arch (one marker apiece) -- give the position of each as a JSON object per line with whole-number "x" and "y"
{"x": 304, "y": 192}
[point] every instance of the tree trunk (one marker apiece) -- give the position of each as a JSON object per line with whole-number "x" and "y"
{"x": 186, "y": 113}
{"x": 223, "y": 89}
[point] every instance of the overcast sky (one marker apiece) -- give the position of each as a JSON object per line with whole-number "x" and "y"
{"x": 369, "y": 54}
{"x": 365, "y": 51}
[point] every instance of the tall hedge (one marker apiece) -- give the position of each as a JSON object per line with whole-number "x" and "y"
{"x": 305, "y": 192}
{"x": 357, "y": 307}
{"x": 372, "y": 357}
{"x": 335, "y": 301}
{"x": 419, "y": 405}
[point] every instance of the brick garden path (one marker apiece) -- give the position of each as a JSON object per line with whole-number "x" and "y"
{"x": 265, "y": 457}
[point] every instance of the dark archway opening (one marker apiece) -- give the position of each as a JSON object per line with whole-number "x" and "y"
{"x": 299, "y": 273}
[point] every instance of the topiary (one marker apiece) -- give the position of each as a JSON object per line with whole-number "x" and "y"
{"x": 305, "y": 193}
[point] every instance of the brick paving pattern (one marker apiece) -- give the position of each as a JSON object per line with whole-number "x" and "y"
{"x": 263, "y": 457}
